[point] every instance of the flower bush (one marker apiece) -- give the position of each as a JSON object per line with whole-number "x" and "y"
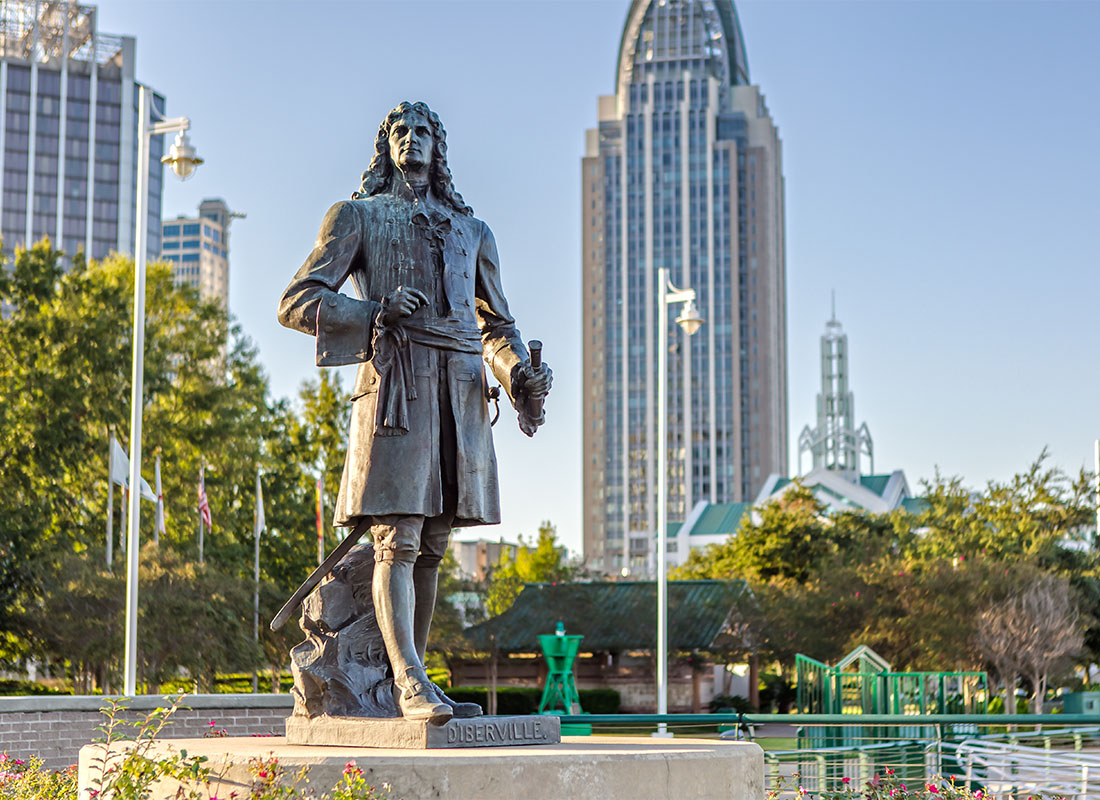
{"x": 889, "y": 786}
{"x": 29, "y": 780}
{"x": 129, "y": 772}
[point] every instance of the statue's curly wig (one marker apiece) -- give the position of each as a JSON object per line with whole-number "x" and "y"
{"x": 379, "y": 175}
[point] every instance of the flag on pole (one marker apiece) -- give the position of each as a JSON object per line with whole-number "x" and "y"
{"x": 159, "y": 528}
{"x": 119, "y": 470}
{"x": 261, "y": 523}
{"x": 204, "y": 506}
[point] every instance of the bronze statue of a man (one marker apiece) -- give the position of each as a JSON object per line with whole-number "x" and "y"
{"x": 429, "y": 311}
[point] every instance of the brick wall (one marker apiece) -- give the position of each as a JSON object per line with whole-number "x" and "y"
{"x": 55, "y": 728}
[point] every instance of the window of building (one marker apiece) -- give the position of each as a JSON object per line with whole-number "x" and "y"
{"x": 190, "y": 244}
{"x": 171, "y": 230}
{"x": 191, "y": 230}
{"x": 171, "y": 245}
{"x": 190, "y": 256}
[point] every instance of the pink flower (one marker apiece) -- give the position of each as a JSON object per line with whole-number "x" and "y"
{"x": 845, "y": 780}
{"x": 931, "y": 787}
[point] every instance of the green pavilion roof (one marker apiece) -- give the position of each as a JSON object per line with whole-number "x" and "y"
{"x": 617, "y": 616}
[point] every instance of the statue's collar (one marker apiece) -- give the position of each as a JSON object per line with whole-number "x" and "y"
{"x": 430, "y": 202}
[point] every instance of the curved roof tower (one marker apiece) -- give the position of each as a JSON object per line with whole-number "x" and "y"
{"x": 708, "y": 30}
{"x": 683, "y": 172}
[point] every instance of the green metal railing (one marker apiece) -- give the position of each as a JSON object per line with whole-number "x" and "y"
{"x": 824, "y": 749}
{"x": 822, "y": 689}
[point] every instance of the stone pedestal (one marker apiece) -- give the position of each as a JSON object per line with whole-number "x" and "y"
{"x": 406, "y": 735}
{"x": 632, "y": 768}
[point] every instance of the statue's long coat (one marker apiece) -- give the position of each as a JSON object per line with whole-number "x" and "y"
{"x": 376, "y": 243}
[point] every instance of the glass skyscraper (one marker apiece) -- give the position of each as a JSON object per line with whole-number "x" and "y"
{"x": 68, "y": 132}
{"x": 683, "y": 171}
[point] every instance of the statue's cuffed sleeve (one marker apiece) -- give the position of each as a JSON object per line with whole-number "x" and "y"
{"x": 501, "y": 343}
{"x": 313, "y": 303}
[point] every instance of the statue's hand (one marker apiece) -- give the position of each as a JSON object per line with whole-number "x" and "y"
{"x": 401, "y": 302}
{"x": 534, "y": 383}
{"x": 530, "y": 384}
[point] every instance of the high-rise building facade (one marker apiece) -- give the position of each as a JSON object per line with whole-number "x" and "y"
{"x": 198, "y": 249}
{"x": 683, "y": 171}
{"x": 68, "y": 132}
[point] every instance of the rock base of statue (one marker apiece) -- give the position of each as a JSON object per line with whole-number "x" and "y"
{"x": 407, "y": 735}
{"x": 341, "y": 669}
{"x": 581, "y": 766}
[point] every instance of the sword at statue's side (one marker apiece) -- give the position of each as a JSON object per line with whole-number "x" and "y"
{"x": 319, "y": 574}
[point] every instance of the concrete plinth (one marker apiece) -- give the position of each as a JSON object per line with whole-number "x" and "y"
{"x": 582, "y": 766}
{"x": 404, "y": 734}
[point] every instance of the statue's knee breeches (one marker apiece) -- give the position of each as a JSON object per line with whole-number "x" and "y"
{"x": 411, "y": 539}
{"x": 397, "y": 538}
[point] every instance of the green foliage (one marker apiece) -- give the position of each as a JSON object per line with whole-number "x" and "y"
{"x": 911, "y": 586}
{"x": 600, "y": 701}
{"x": 65, "y": 367}
{"x": 545, "y": 561}
{"x": 10, "y": 687}
{"x": 730, "y": 702}
{"x": 131, "y": 762}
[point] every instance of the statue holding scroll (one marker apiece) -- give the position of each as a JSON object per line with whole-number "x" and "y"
{"x": 429, "y": 313}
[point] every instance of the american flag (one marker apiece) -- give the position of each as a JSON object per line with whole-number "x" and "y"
{"x": 204, "y": 506}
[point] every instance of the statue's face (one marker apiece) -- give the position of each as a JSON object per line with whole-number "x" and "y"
{"x": 411, "y": 142}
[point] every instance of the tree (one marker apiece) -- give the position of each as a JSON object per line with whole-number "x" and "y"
{"x": 546, "y": 561}
{"x": 1034, "y": 633}
{"x": 65, "y": 382}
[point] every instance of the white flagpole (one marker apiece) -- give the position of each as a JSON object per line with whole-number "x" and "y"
{"x": 110, "y": 499}
{"x": 258, "y": 528}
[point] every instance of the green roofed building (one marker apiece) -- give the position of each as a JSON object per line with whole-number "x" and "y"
{"x": 712, "y": 523}
{"x": 618, "y": 621}
{"x": 619, "y": 616}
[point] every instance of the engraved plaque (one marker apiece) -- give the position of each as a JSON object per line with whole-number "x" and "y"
{"x": 404, "y": 734}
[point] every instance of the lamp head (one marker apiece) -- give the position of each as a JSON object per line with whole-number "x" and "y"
{"x": 690, "y": 319}
{"x": 182, "y": 157}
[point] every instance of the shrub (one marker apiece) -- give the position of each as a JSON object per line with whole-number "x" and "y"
{"x": 525, "y": 699}
{"x": 885, "y": 787}
{"x": 29, "y": 780}
{"x": 129, "y": 774}
{"x": 734, "y": 702}
{"x": 9, "y": 686}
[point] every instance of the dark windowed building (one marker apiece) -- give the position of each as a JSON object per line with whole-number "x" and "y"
{"x": 682, "y": 171}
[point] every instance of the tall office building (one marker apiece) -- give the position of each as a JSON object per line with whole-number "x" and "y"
{"x": 68, "y": 131}
{"x": 198, "y": 249}
{"x": 683, "y": 171}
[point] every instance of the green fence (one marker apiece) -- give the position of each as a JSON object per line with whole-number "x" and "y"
{"x": 824, "y": 749}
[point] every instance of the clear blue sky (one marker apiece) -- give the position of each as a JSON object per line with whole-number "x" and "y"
{"x": 941, "y": 171}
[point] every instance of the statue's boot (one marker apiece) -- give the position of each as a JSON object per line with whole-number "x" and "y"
{"x": 425, "y": 582}
{"x": 392, "y": 590}
{"x": 416, "y": 697}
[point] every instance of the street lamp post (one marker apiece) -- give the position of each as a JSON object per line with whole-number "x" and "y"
{"x": 690, "y": 320}
{"x": 181, "y": 157}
